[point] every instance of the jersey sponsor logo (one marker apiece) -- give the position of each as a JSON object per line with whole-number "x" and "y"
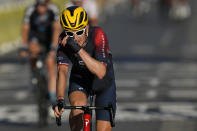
{"x": 80, "y": 88}
{"x": 60, "y": 58}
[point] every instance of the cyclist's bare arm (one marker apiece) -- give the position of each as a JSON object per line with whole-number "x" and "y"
{"x": 96, "y": 67}
{"x": 61, "y": 85}
{"x": 56, "y": 32}
{"x": 25, "y": 32}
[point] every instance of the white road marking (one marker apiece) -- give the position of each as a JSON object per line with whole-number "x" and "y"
{"x": 169, "y": 111}
{"x": 127, "y": 83}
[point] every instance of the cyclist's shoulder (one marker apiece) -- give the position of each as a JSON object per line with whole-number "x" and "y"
{"x": 99, "y": 35}
{"x": 54, "y": 8}
{"x": 30, "y": 9}
{"x": 98, "y": 32}
{"x": 61, "y": 36}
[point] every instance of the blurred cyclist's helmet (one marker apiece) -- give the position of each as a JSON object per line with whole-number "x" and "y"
{"x": 73, "y": 18}
{"x": 42, "y": 1}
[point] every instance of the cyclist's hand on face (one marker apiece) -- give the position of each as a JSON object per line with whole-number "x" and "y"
{"x": 59, "y": 107}
{"x": 64, "y": 41}
{"x": 73, "y": 44}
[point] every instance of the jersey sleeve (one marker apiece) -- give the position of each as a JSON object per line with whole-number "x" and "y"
{"x": 55, "y": 11}
{"x": 28, "y": 12}
{"x": 101, "y": 46}
{"x": 62, "y": 58}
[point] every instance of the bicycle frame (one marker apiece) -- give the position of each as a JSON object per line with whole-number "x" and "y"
{"x": 41, "y": 90}
{"x": 87, "y": 116}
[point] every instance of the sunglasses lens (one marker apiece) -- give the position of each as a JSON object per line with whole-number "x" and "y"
{"x": 69, "y": 33}
{"x": 80, "y": 32}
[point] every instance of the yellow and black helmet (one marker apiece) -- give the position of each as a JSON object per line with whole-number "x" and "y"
{"x": 73, "y": 18}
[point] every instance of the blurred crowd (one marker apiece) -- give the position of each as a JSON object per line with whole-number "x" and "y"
{"x": 177, "y": 9}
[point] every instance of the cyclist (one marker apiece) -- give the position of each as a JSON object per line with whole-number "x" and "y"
{"x": 91, "y": 8}
{"x": 41, "y": 28}
{"x": 92, "y": 68}
{"x": 179, "y": 9}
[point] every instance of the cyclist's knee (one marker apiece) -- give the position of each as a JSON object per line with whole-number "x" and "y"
{"x": 77, "y": 103}
{"x": 103, "y": 125}
{"x": 77, "y": 98}
{"x": 34, "y": 49}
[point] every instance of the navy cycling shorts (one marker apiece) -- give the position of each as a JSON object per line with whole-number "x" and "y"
{"x": 102, "y": 99}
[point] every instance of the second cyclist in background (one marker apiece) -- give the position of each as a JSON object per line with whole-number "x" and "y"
{"x": 91, "y": 8}
{"x": 179, "y": 9}
{"x": 41, "y": 28}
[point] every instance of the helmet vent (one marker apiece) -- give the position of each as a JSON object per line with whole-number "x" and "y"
{"x": 86, "y": 17}
{"x": 64, "y": 20}
{"x": 81, "y": 17}
{"x": 72, "y": 9}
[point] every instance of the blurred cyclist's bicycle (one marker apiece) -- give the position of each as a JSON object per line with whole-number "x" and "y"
{"x": 41, "y": 91}
{"x": 39, "y": 83}
{"x": 87, "y": 115}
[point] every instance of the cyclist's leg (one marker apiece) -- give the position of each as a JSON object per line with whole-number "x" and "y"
{"x": 103, "y": 116}
{"x": 103, "y": 125}
{"x": 34, "y": 50}
{"x": 135, "y": 2}
{"x": 170, "y": 3}
{"x": 179, "y": 9}
{"x": 77, "y": 97}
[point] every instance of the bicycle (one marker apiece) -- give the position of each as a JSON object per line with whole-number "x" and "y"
{"x": 39, "y": 83}
{"x": 41, "y": 90}
{"x": 87, "y": 116}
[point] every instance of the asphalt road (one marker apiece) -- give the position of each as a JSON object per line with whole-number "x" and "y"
{"x": 155, "y": 66}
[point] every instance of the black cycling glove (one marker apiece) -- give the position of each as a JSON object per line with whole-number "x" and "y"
{"x": 60, "y": 103}
{"x": 24, "y": 48}
{"x": 74, "y": 45}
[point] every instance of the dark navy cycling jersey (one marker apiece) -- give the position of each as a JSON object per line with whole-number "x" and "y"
{"x": 41, "y": 26}
{"x": 97, "y": 47}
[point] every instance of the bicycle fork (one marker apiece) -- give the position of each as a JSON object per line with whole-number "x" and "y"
{"x": 87, "y": 121}
{"x": 87, "y": 117}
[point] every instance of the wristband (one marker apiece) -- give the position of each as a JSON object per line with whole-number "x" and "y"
{"x": 74, "y": 45}
{"x": 53, "y": 47}
{"x": 24, "y": 47}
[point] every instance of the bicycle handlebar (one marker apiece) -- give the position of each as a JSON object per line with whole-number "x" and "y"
{"x": 85, "y": 108}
